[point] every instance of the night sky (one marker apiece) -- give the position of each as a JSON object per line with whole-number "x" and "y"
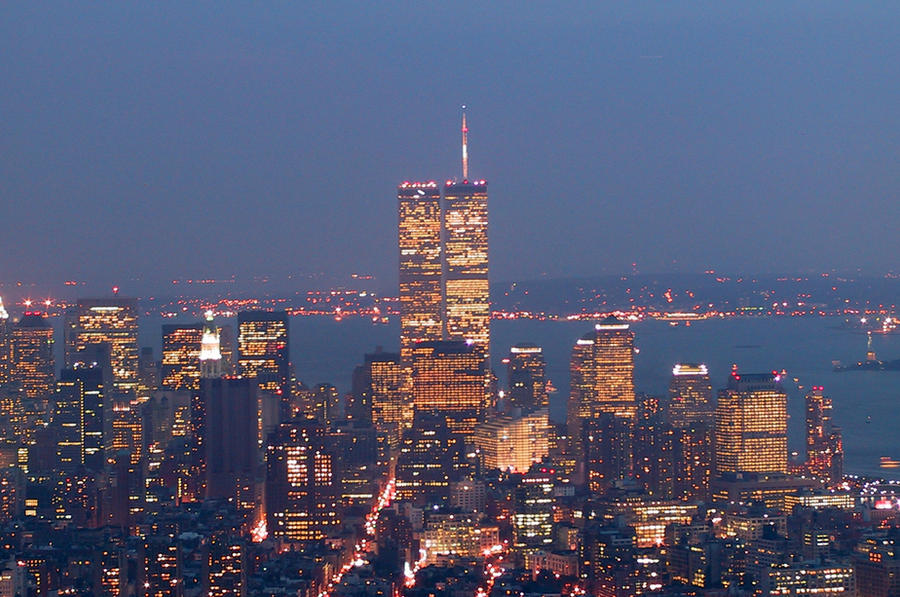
{"x": 161, "y": 140}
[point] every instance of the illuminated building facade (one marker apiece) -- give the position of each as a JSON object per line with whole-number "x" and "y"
{"x": 90, "y": 381}
{"x": 302, "y": 493}
{"x": 602, "y": 373}
{"x": 606, "y": 446}
{"x": 106, "y": 321}
{"x": 5, "y": 340}
{"x": 127, "y": 432}
{"x": 211, "y": 360}
{"x": 449, "y": 378}
{"x": 419, "y": 237}
{"x": 690, "y": 395}
{"x": 68, "y": 424}
{"x": 526, "y": 370}
{"x": 751, "y": 425}
{"x": 466, "y": 291}
{"x": 602, "y": 385}
{"x": 431, "y": 458}
{"x": 513, "y": 443}
{"x": 264, "y": 350}
{"x": 533, "y": 512}
{"x": 180, "y": 363}
{"x": 809, "y": 579}
{"x": 379, "y": 384}
{"x": 162, "y": 567}
{"x": 32, "y": 356}
{"x": 226, "y": 566}
{"x": 457, "y": 534}
{"x": 824, "y": 443}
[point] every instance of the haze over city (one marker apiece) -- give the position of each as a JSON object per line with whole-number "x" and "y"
{"x": 166, "y": 141}
{"x": 470, "y": 300}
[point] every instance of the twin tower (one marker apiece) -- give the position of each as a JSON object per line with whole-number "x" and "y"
{"x": 443, "y": 241}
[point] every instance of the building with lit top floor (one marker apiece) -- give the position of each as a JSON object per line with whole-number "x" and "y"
{"x": 32, "y": 356}
{"x": 264, "y": 350}
{"x": 112, "y": 322}
{"x": 690, "y": 395}
{"x": 419, "y": 239}
{"x": 180, "y": 363}
{"x": 466, "y": 289}
{"x": 527, "y": 380}
{"x": 751, "y": 425}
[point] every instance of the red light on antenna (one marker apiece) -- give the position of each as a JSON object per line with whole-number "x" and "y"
{"x": 115, "y": 290}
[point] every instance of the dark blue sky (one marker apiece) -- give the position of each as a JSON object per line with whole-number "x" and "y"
{"x": 165, "y": 140}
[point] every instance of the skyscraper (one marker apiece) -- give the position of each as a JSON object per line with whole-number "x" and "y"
{"x": 89, "y": 381}
{"x": 378, "y": 384}
{"x": 32, "y": 355}
{"x": 602, "y": 386}
{"x": 231, "y": 443}
{"x": 466, "y": 290}
{"x": 5, "y": 348}
{"x": 824, "y": 445}
{"x": 211, "y": 361}
{"x": 419, "y": 238}
{"x": 180, "y": 364}
{"x": 602, "y": 372}
{"x": 690, "y": 395}
{"x": 302, "y": 493}
{"x": 527, "y": 378}
{"x": 68, "y": 425}
{"x": 263, "y": 350}
{"x": 106, "y": 321}
{"x": 449, "y": 379}
{"x": 751, "y": 425}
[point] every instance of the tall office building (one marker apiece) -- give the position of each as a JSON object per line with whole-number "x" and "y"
{"x": 466, "y": 290}
{"x": 431, "y": 458}
{"x": 824, "y": 444}
{"x": 690, "y": 395}
{"x": 526, "y": 370}
{"x": 419, "y": 238}
{"x": 32, "y": 355}
{"x": 602, "y": 373}
{"x": 212, "y": 364}
{"x": 106, "y": 321}
{"x": 751, "y": 425}
{"x": 378, "y": 390}
{"x": 302, "y": 492}
{"x": 449, "y": 379}
{"x": 5, "y": 348}
{"x": 467, "y": 305}
{"x": 231, "y": 445}
{"x": 264, "y": 351}
{"x": 68, "y": 425}
{"x": 85, "y": 384}
{"x": 180, "y": 364}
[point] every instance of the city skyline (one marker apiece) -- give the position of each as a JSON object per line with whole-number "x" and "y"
{"x": 328, "y": 418}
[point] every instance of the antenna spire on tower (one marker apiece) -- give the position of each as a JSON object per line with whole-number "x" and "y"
{"x": 465, "y": 151}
